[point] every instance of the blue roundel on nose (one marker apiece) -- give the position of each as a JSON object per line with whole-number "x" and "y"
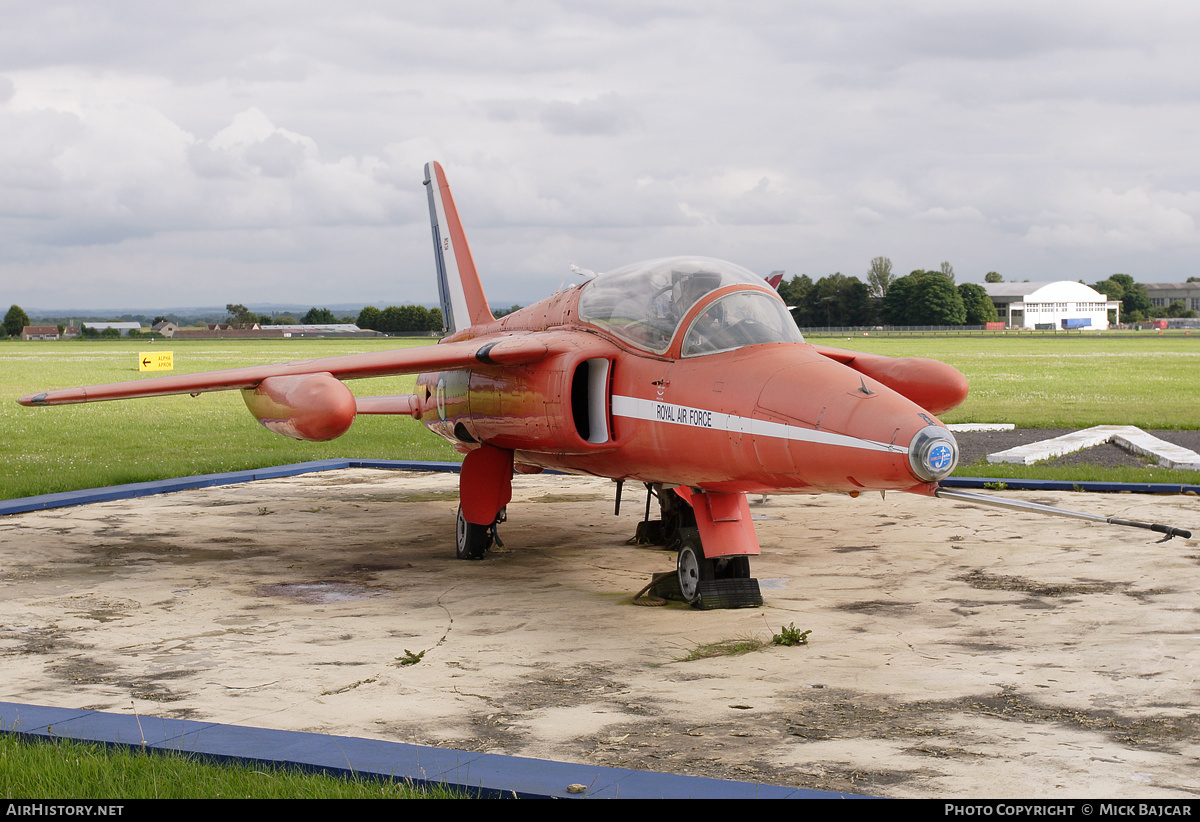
{"x": 940, "y": 457}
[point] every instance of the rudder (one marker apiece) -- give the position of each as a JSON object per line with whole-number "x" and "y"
{"x": 463, "y": 301}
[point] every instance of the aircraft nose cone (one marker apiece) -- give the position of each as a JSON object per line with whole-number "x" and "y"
{"x": 933, "y": 453}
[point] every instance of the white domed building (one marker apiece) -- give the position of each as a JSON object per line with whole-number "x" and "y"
{"x": 1059, "y": 305}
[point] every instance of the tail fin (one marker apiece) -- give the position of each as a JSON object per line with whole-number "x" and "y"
{"x": 463, "y": 301}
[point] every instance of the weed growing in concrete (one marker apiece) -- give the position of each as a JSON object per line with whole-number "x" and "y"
{"x": 790, "y": 635}
{"x": 725, "y": 647}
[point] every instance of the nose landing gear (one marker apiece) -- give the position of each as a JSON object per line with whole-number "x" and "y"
{"x": 702, "y": 581}
{"x": 711, "y": 584}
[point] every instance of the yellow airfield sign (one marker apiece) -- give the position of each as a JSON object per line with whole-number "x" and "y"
{"x": 156, "y": 361}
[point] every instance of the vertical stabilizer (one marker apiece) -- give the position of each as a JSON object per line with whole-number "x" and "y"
{"x": 463, "y": 300}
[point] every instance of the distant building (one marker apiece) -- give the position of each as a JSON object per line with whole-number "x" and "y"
{"x": 122, "y": 328}
{"x": 39, "y": 332}
{"x": 224, "y": 331}
{"x": 166, "y": 328}
{"x": 234, "y": 327}
{"x": 1062, "y": 304}
{"x": 312, "y": 329}
{"x": 1163, "y": 294}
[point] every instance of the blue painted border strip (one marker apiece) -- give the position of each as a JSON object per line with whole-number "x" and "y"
{"x": 167, "y": 486}
{"x": 144, "y": 489}
{"x": 478, "y": 773}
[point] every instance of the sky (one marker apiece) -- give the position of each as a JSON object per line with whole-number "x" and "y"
{"x": 158, "y": 155}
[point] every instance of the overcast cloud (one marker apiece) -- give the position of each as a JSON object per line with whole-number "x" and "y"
{"x": 159, "y": 154}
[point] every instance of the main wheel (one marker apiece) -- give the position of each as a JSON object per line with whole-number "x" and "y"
{"x": 471, "y": 541}
{"x": 692, "y": 567}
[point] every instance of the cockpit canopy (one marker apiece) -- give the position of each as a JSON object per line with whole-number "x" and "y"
{"x": 645, "y": 303}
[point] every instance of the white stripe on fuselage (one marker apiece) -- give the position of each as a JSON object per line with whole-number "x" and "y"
{"x": 673, "y": 414}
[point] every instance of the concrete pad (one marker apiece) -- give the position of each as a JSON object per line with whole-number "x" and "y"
{"x": 1167, "y": 455}
{"x": 981, "y": 426}
{"x": 955, "y": 650}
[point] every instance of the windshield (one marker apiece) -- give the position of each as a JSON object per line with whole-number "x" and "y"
{"x": 738, "y": 319}
{"x": 644, "y": 303}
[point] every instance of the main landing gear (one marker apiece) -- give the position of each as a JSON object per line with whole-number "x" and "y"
{"x": 472, "y": 541}
{"x": 701, "y": 581}
{"x": 484, "y": 489}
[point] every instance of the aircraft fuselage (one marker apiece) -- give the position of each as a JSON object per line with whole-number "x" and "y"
{"x": 777, "y": 417}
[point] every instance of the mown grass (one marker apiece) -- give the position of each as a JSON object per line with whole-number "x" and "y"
{"x": 66, "y": 769}
{"x": 1063, "y": 382}
{"x": 1079, "y": 473}
{"x": 1033, "y": 382}
{"x": 46, "y": 450}
{"x": 1076, "y": 382}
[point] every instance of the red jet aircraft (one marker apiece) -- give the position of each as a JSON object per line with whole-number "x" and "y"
{"x": 686, "y": 374}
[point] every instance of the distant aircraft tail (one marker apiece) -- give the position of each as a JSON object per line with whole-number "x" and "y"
{"x": 463, "y": 301}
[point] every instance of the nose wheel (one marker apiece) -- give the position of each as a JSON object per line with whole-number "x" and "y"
{"x": 692, "y": 568}
{"x": 472, "y": 541}
{"x": 721, "y": 582}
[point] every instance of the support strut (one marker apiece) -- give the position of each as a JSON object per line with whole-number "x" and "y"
{"x": 1038, "y": 508}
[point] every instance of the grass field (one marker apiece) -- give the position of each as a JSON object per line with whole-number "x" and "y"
{"x": 1047, "y": 382}
{"x": 1063, "y": 382}
{"x": 65, "y": 769}
{"x": 45, "y": 450}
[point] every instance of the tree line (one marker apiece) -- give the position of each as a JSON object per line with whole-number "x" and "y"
{"x": 922, "y": 297}
{"x": 930, "y": 297}
{"x": 401, "y": 319}
{"x": 395, "y": 319}
{"x": 16, "y": 319}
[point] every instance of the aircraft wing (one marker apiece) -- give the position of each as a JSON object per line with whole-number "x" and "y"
{"x": 513, "y": 350}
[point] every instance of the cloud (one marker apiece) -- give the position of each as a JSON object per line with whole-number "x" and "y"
{"x": 1136, "y": 220}
{"x": 1008, "y": 134}
{"x": 31, "y": 143}
{"x": 102, "y": 170}
{"x": 605, "y": 115}
{"x": 252, "y": 144}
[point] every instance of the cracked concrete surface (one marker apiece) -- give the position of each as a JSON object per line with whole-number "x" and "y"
{"x": 955, "y": 651}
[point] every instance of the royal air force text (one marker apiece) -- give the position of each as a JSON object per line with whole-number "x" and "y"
{"x": 683, "y": 415}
